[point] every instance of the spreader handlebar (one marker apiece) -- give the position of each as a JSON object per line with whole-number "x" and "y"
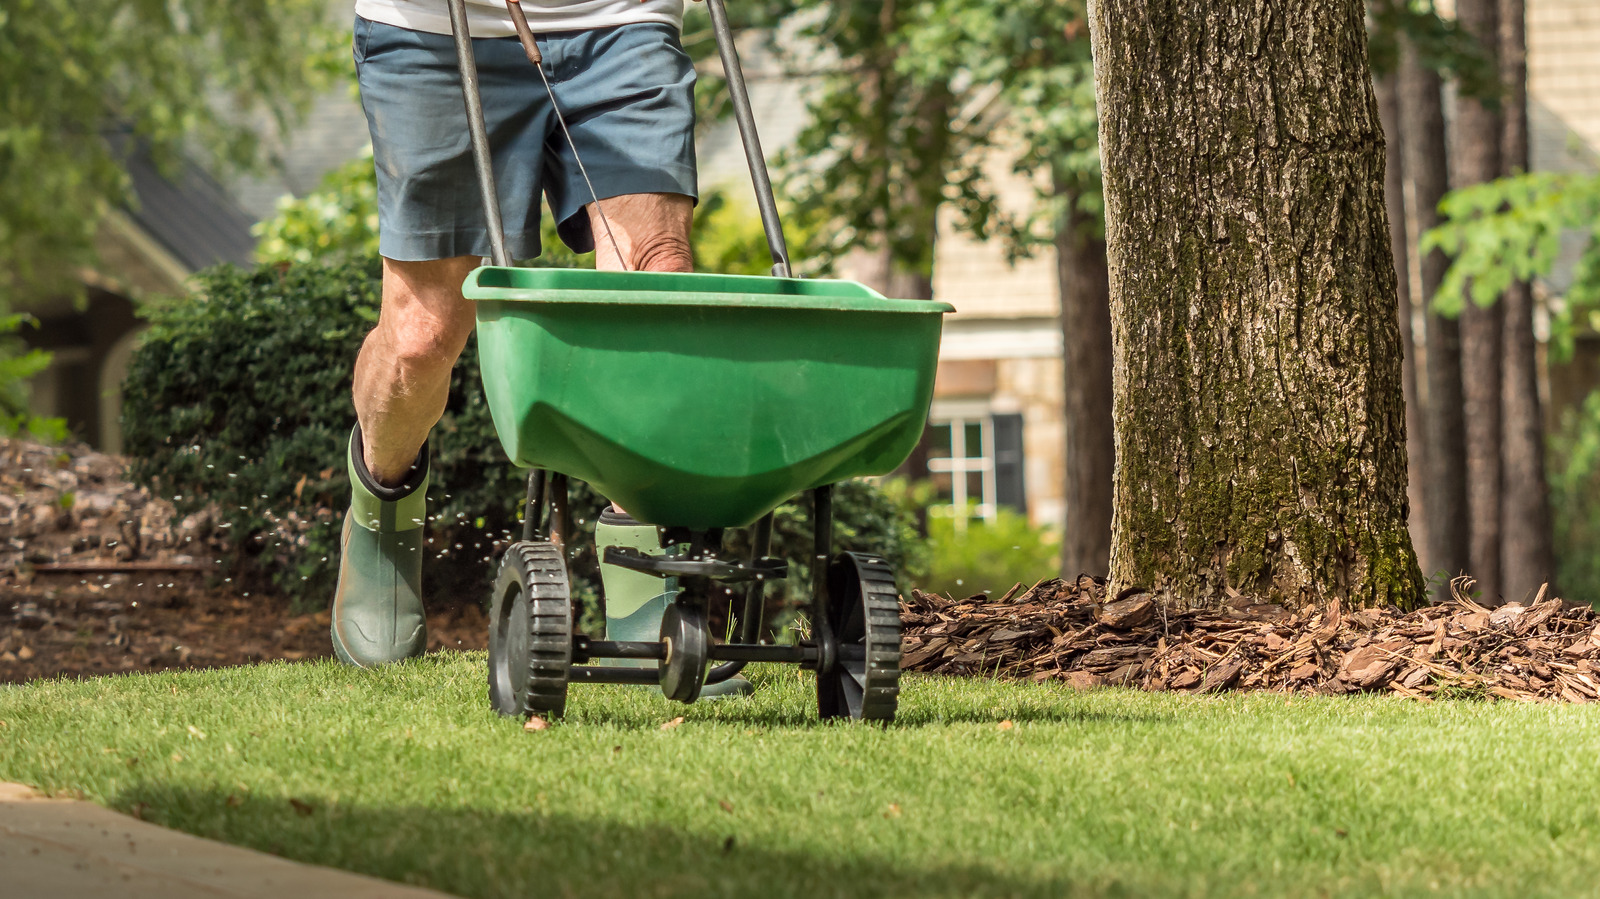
{"x": 752, "y": 142}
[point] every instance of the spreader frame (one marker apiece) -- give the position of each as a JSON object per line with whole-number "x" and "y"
{"x": 686, "y": 647}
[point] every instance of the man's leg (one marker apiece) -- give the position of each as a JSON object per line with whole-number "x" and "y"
{"x": 401, "y": 383}
{"x": 403, "y": 373}
{"x": 651, "y": 232}
{"x": 428, "y": 209}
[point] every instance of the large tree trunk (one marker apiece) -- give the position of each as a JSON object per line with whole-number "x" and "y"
{"x": 1475, "y": 154}
{"x": 1427, "y": 168}
{"x": 1086, "y": 362}
{"x": 1260, "y": 426}
{"x": 1526, "y": 552}
{"x": 1394, "y": 200}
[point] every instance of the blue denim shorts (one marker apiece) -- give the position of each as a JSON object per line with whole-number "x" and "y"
{"x": 627, "y": 93}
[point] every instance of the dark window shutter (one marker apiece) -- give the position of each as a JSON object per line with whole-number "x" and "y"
{"x": 1009, "y": 489}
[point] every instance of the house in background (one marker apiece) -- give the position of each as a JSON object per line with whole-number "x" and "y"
{"x": 176, "y": 226}
{"x": 1564, "y": 136}
{"x": 996, "y": 432}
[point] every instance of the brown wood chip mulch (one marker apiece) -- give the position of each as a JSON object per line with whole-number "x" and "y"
{"x": 1058, "y": 630}
{"x": 95, "y": 578}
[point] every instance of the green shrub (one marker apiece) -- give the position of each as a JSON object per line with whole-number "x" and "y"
{"x": 988, "y": 556}
{"x": 239, "y": 400}
{"x": 337, "y": 220}
{"x": 1575, "y": 501}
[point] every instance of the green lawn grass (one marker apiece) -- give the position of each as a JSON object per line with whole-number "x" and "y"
{"x": 404, "y": 773}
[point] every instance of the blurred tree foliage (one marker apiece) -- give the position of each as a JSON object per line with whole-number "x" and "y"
{"x": 1511, "y": 229}
{"x": 884, "y": 146}
{"x": 1441, "y": 45}
{"x": 1035, "y": 59}
{"x": 85, "y": 82}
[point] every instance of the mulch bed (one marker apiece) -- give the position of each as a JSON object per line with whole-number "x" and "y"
{"x": 1068, "y": 631}
{"x": 96, "y": 578}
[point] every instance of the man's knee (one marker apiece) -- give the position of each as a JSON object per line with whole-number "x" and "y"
{"x": 425, "y": 321}
{"x": 663, "y": 252}
{"x": 422, "y": 342}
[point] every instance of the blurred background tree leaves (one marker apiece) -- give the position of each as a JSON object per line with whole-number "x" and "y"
{"x": 86, "y": 83}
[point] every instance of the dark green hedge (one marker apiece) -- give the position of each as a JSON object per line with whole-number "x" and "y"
{"x": 238, "y": 399}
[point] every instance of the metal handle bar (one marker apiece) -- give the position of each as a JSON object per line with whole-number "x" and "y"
{"x": 752, "y": 142}
{"x": 468, "y": 64}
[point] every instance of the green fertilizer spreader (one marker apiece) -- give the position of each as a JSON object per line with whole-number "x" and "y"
{"x": 697, "y": 403}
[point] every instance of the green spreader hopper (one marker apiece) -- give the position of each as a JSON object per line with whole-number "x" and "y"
{"x": 702, "y": 401}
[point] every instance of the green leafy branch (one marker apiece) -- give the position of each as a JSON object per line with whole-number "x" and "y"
{"x": 16, "y": 367}
{"x": 1511, "y": 230}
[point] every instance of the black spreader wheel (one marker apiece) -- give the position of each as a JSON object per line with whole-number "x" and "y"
{"x": 683, "y": 630}
{"x": 864, "y": 612}
{"x": 530, "y": 632}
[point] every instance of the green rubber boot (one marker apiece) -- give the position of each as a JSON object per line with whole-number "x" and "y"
{"x": 377, "y": 607}
{"x": 635, "y": 601}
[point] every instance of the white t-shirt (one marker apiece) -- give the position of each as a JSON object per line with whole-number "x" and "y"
{"x": 489, "y": 18}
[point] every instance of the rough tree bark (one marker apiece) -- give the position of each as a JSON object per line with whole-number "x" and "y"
{"x": 1086, "y": 362}
{"x": 1394, "y": 200}
{"x": 1260, "y": 428}
{"x": 1527, "y": 557}
{"x": 1427, "y": 168}
{"x": 1475, "y": 158}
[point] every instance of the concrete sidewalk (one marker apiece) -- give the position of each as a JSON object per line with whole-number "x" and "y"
{"x": 67, "y": 849}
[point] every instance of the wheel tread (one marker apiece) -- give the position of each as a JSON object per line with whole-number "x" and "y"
{"x": 881, "y": 642}
{"x": 542, "y": 572}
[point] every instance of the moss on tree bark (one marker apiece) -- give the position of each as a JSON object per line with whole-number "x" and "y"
{"x": 1260, "y": 427}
